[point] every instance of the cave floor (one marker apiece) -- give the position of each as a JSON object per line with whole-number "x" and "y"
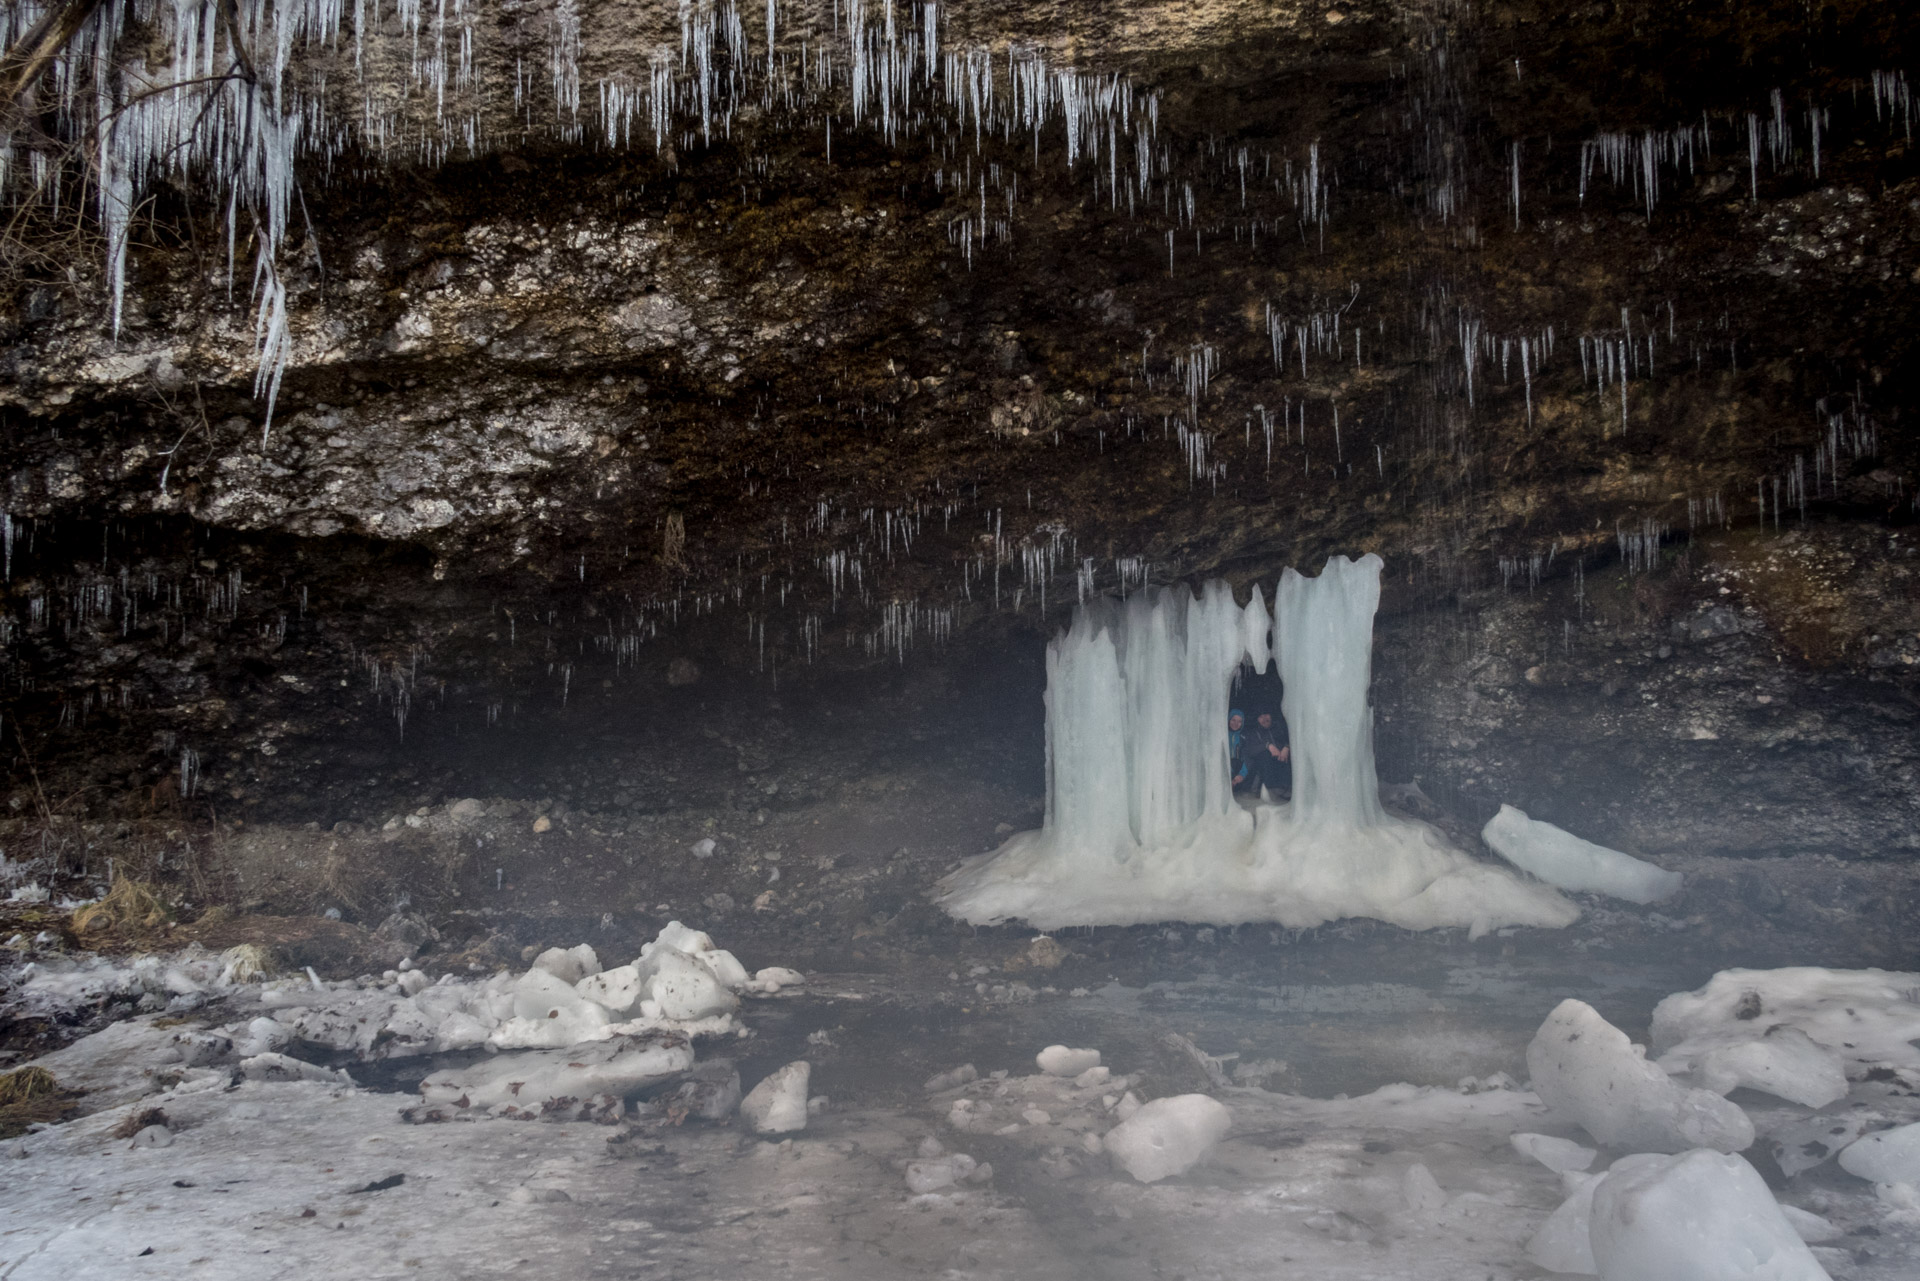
{"x": 1356, "y": 1051}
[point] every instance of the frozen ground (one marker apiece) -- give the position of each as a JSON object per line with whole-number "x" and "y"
{"x": 1420, "y": 1178}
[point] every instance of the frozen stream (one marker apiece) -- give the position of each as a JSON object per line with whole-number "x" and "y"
{"x": 1381, "y": 1068}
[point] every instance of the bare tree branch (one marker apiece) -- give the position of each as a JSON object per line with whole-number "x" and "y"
{"x": 22, "y": 66}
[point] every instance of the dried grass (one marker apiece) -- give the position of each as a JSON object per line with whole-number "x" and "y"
{"x": 138, "y": 1120}
{"x": 129, "y": 904}
{"x": 31, "y": 1096}
{"x": 25, "y": 1084}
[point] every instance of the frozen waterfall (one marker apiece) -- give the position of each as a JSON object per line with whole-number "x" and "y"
{"x": 1142, "y": 824}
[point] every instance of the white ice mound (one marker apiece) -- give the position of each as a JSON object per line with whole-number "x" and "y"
{"x": 1891, "y": 1156}
{"x": 1058, "y": 1060}
{"x": 618, "y": 991}
{"x": 1167, "y": 1136}
{"x": 568, "y": 964}
{"x": 1785, "y": 1062}
{"x": 1699, "y": 1216}
{"x": 1869, "y": 1018}
{"x": 1141, "y": 823}
{"x": 580, "y": 1082}
{"x": 778, "y": 1105}
{"x": 682, "y": 986}
{"x": 1560, "y": 858}
{"x": 1586, "y": 1069}
{"x": 548, "y": 1012}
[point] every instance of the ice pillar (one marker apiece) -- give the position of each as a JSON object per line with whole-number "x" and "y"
{"x": 1323, "y": 630}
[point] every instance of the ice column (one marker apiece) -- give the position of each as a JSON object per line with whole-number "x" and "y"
{"x": 1323, "y": 631}
{"x": 1142, "y": 824}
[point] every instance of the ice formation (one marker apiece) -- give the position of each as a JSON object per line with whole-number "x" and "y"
{"x": 1560, "y": 1155}
{"x": 582, "y": 1082}
{"x": 1141, "y": 822}
{"x": 1058, "y": 1060}
{"x": 1585, "y": 1068}
{"x": 1698, "y": 1216}
{"x": 1784, "y": 1062}
{"x": 1562, "y": 859}
{"x": 1869, "y": 1018}
{"x": 1167, "y": 1136}
{"x": 1564, "y": 1243}
{"x": 1891, "y": 1156}
{"x": 577, "y": 1040}
{"x": 778, "y": 1105}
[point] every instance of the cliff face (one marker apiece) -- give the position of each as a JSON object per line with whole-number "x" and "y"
{"x": 1609, "y": 304}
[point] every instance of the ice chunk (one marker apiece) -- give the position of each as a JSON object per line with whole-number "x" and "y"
{"x": 616, "y": 990}
{"x": 1560, "y": 858}
{"x": 775, "y": 977}
{"x": 1698, "y": 1216}
{"x": 1809, "y": 1227}
{"x": 1556, "y": 1154}
{"x": 1867, "y": 1017}
{"x": 548, "y": 1012}
{"x": 683, "y": 988}
{"x": 1586, "y": 1069}
{"x": 1167, "y": 1136}
{"x": 1058, "y": 1060}
{"x": 1891, "y": 1156}
{"x": 1563, "y": 1243}
{"x": 281, "y": 1067}
{"x": 949, "y": 1079}
{"x": 681, "y": 938}
{"x": 568, "y": 964}
{"x": 1422, "y": 1190}
{"x": 941, "y": 1172}
{"x": 586, "y": 1082}
{"x": 1785, "y": 1062}
{"x": 725, "y": 967}
{"x": 260, "y": 1036}
{"x": 778, "y": 1105}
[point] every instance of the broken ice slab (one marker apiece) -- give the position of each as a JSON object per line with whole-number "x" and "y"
{"x": 1870, "y": 1018}
{"x": 1784, "y": 1062}
{"x": 1562, "y": 859}
{"x": 587, "y": 1082}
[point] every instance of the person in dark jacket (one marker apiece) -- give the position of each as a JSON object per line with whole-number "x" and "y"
{"x": 1239, "y": 766}
{"x": 1270, "y": 755}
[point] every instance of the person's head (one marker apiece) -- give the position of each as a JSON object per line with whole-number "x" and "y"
{"x": 1265, "y": 719}
{"x": 1235, "y": 720}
